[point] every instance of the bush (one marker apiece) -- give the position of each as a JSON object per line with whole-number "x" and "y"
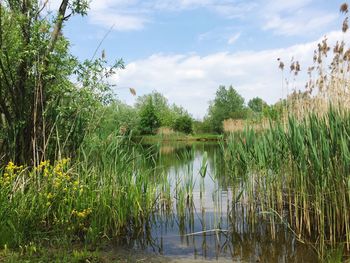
{"x": 183, "y": 124}
{"x": 149, "y": 122}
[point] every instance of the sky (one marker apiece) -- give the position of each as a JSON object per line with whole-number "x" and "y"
{"x": 186, "y": 49}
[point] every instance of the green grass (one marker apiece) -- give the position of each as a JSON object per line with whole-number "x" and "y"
{"x": 105, "y": 194}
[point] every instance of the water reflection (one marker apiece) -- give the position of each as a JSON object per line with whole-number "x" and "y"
{"x": 205, "y": 221}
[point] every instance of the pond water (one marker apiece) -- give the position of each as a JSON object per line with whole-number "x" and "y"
{"x": 212, "y": 225}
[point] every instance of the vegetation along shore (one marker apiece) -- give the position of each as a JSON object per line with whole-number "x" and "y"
{"x": 86, "y": 177}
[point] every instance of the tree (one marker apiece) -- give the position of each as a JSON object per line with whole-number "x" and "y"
{"x": 227, "y": 104}
{"x": 184, "y": 124}
{"x": 257, "y": 105}
{"x": 164, "y": 114}
{"x": 37, "y": 96}
{"x": 118, "y": 119}
{"x": 149, "y": 121}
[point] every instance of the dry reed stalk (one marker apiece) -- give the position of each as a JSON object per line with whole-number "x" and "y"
{"x": 239, "y": 125}
{"x": 165, "y": 131}
{"x": 330, "y": 86}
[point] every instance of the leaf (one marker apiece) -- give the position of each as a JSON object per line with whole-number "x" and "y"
{"x": 204, "y": 166}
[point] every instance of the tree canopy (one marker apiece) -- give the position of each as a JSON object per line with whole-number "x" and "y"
{"x": 167, "y": 115}
{"x": 149, "y": 121}
{"x": 227, "y": 104}
{"x": 257, "y": 105}
{"x": 43, "y": 112}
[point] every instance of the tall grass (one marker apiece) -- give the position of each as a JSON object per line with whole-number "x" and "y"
{"x": 298, "y": 171}
{"x": 300, "y": 174}
{"x": 106, "y": 193}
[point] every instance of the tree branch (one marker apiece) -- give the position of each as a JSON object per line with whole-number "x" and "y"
{"x": 41, "y": 9}
{"x": 58, "y": 26}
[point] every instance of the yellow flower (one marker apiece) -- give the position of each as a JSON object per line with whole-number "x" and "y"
{"x": 43, "y": 164}
{"x": 57, "y": 183}
{"x": 10, "y": 167}
{"x": 82, "y": 214}
{"x": 11, "y": 171}
{"x": 46, "y": 172}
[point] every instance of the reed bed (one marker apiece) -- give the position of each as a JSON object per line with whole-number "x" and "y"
{"x": 238, "y": 125}
{"x": 299, "y": 173}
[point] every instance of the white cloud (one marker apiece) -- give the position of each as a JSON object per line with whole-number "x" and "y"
{"x": 282, "y": 17}
{"x": 298, "y": 24}
{"x": 118, "y": 21}
{"x": 298, "y": 17}
{"x": 135, "y": 14}
{"x": 192, "y": 80}
{"x": 121, "y": 14}
{"x": 233, "y": 38}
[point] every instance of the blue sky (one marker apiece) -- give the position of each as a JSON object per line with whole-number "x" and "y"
{"x": 187, "y": 48}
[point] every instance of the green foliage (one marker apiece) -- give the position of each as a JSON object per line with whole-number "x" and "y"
{"x": 274, "y": 112}
{"x": 163, "y": 113}
{"x": 227, "y": 104}
{"x": 43, "y": 113}
{"x": 257, "y": 104}
{"x": 106, "y": 193}
{"x": 202, "y": 127}
{"x": 300, "y": 164}
{"x": 183, "y": 124}
{"x": 149, "y": 121}
{"x": 118, "y": 119}
{"x": 167, "y": 115}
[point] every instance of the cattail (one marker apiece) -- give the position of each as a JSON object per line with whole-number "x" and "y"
{"x": 310, "y": 69}
{"x": 132, "y": 91}
{"x": 347, "y": 55}
{"x": 292, "y": 67}
{"x": 281, "y": 64}
{"x": 345, "y": 25}
{"x": 103, "y": 54}
{"x": 344, "y": 8}
{"x": 323, "y": 48}
{"x": 315, "y": 56}
{"x": 341, "y": 47}
{"x": 336, "y": 48}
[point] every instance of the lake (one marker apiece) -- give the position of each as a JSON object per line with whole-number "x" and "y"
{"x": 209, "y": 218}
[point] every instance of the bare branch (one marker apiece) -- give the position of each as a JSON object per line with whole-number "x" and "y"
{"x": 41, "y": 9}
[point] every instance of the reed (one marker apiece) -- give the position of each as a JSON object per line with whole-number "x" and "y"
{"x": 297, "y": 171}
{"x": 238, "y": 125}
{"x": 106, "y": 193}
{"x": 300, "y": 174}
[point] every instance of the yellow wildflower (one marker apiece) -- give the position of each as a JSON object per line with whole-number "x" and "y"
{"x": 82, "y": 214}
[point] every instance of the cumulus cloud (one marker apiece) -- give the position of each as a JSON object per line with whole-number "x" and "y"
{"x": 191, "y": 80}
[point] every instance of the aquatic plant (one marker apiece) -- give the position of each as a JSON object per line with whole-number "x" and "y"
{"x": 299, "y": 173}
{"x": 105, "y": 194}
